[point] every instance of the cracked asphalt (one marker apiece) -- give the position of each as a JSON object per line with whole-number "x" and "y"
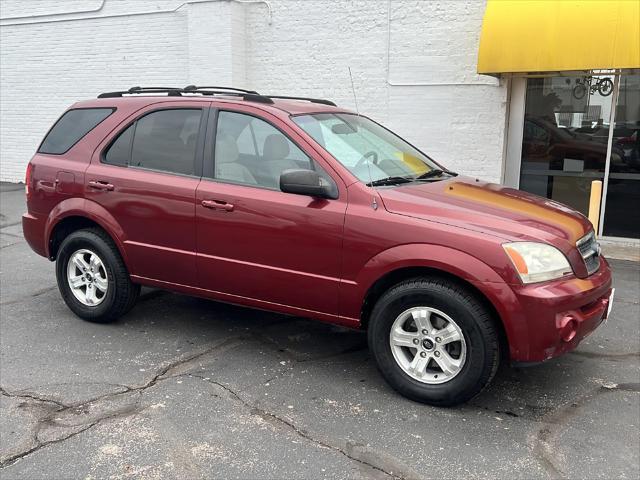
{"x": 189, "y": 388}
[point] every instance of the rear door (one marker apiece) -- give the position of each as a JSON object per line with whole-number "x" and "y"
{"x": 255, "y": 241}
{"x": 145, "y": 174}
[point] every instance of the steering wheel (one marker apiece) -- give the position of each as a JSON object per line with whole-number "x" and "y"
{"x": 370, "y": 153}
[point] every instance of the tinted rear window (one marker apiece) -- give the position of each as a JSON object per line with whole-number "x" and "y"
{"x": 71, "y": 127}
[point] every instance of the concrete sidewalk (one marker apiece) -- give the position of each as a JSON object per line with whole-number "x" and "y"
{"x": 189, "y": 388}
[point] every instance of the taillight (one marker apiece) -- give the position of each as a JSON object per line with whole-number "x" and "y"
{"x": 28, "y": 189}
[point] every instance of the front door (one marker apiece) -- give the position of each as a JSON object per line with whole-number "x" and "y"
{"x": 255, "y": 241}
{"x": 145, "y": 176}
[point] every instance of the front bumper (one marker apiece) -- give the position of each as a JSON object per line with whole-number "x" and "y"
{"x": 558, "y": 315}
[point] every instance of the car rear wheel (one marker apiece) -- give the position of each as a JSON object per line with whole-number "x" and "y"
{"x": 92, "y": 277}
{"x": 434, "y": 341}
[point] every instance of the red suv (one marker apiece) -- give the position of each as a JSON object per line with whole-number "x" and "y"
{"x": 301, "y": 207}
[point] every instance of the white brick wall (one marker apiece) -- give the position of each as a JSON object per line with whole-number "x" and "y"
{"x": 413, "y": 64}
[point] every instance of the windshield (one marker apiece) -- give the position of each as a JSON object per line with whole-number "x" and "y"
{"x": 371, "y": 152}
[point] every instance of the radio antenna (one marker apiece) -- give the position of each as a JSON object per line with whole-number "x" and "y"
{"x": 374, "y": 203}
{"x": 353, "y": 89}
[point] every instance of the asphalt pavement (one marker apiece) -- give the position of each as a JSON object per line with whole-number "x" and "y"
{"x": 188, "y": 388}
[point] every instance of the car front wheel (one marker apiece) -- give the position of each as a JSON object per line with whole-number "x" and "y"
{"x": 434, "y": 341}
{"x": 92, "y": 277}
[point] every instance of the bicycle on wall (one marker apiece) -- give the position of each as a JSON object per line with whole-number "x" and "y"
{"x": 604, "y": 86}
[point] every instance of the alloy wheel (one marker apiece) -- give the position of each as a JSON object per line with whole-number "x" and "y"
{"x": 87, "y": 277}
{"x": 428, "y": 345}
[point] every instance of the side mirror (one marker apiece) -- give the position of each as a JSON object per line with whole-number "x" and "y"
{"x": 306, "y": 182}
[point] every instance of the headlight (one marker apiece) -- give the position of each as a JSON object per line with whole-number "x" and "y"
{"x": 537, "y": 262}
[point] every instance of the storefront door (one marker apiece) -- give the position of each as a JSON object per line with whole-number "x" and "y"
{"x": 622, "y": 201}
{"x": 563, "y": 144}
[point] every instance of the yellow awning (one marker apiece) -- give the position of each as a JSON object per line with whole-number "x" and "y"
{"x": 559, "y": 35}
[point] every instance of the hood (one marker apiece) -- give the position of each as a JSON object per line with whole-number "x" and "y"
{"x": 488, "y": 208}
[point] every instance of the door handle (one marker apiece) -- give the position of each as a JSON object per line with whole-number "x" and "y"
{"x": 101, "y": 185}
{"x": 218, "y": 205}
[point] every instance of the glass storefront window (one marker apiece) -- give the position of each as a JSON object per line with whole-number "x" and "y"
{"x": 566, "y": 128}
{"x": 622, "y": 207}
{"x": 564, "y": 145}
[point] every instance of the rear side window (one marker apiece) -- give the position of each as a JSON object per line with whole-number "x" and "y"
{"x": 164, "y": 140}
{"x": 71, "y": 127}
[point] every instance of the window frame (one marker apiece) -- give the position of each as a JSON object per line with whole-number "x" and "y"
{"x": 198, "y": 159}
{"x": 38, "y": 151}
{"x": 208, "y": 171}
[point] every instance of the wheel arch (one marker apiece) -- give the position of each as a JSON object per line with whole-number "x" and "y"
{"x": 75, "y": 214}
{"x": 410, "y": 261}
{"x": 406, "y": 273}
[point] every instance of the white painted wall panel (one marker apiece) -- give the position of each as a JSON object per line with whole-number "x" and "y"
{"x": 305, "y": 48}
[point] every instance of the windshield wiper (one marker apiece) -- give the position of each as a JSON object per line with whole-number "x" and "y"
{"x": 389, "y": 181}
{"x": 436, "y": 172}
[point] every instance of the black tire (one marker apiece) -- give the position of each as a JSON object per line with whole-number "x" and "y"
{"x": 121, "y": 293}
{"x": 473, "y": 319}
{"x": 605, "y": 87}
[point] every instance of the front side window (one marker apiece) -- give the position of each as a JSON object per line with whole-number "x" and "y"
{"x": 369, "y": 151}
{"x": 71, "y": 127}
{"x": 253, "y": 152}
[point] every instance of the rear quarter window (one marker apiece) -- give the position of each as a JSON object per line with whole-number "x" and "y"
{"x": 71, "y": 127}
{"x": 120, "y": 150}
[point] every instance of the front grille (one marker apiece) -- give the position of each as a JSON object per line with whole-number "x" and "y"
{"x": 590, "y": 251}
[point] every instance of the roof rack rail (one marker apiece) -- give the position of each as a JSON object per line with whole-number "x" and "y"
{"x": 171, "y": 91}
{"x": 255, "y": 97}
{"x": 312, "y": 100}
{"x": 249, "y": 95}
{"x": 145, "y": 89}
{"x": 193, "y": 88}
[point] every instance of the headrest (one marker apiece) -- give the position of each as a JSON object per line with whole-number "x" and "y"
{"x": 226, "y": 148}
{"x": 276, "y": 147}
